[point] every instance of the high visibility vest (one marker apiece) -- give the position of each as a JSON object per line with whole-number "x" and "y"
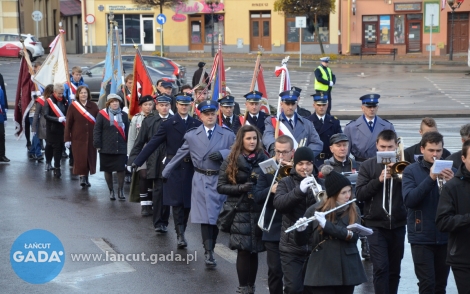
{"x": 319, "y": 86}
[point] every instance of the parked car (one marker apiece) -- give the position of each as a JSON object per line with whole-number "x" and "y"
{"x": 93, "y": 76}
{"x": 163, "y": 64}
{"x": 10, "y": 46}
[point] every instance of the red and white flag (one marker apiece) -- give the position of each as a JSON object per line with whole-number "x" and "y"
{"x": 283, "y": 130}
{"x": 54, "y": 69}
{"x": 278, "y": 72}
{"x": 142, "y": 84}
{"x": 260, "y": 86}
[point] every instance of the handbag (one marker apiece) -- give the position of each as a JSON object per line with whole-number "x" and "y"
{"x": 227, "y": 215}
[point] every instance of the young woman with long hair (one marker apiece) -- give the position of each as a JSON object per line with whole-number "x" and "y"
{"x": 237, "y": 178}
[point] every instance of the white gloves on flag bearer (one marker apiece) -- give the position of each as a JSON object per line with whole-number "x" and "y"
{"x": 62, "y": 119}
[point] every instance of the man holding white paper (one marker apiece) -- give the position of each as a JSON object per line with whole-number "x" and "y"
{"x": 421, "y": 195}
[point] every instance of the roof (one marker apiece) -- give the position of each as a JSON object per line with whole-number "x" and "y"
{"x": 70, "y": 7}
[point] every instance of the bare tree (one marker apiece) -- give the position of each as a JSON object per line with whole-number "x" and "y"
{"x": 160, "y": 4}
{"x": 309, "y": 8}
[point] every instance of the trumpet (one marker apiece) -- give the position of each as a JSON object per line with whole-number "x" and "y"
{"x": 317, "y": 189}
{"x": 312, "y": 218}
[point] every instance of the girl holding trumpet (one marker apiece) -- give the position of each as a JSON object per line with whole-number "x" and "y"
{"x": 334, "y": 265}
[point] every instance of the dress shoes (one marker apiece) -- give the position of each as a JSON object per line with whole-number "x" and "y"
{"x": 111, "y": 195}
{"x": 4, "y": 159}
{"x": 161, "y": 229}
{"x": 146, "y": 210}
{"x": 57, "y": 172}
{"x": 86, "y": 182}
{"x": 121, "y": 196}
{"x": 209, "y": 253}
{"x": 32, "y": 156}
{"x": 82, "y": 181}
{"x": 48, "y": 167}
{"x": 181, "y": 243}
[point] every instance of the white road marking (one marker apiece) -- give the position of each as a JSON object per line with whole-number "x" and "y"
{"x": 96, "y": 272}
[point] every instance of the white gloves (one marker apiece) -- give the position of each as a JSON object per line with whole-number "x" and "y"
{"x": 62, "y": 119}
{"x": 68, "y": 144}
{"x": 320, "y": 217}
{"x": 305, "y": 184}
{"x": 302, "y": 227}
{"x": 125, "y": 109}
{"x": 331, "y": 84}
{"x": 129, "y": 168}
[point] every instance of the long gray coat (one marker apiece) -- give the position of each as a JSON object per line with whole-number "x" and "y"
{"x": 361, "y": 139}
{"x": 303, "y": 129}
{"x": 206, "y": 202}
{"x": 39, "y": 121}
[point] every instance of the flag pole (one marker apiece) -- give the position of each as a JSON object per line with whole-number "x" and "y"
{"x": 66, "y": 64}
{"x": 253, "y": 80}
{"x": 281, "y": 89}
{"x": 118, "y": 45}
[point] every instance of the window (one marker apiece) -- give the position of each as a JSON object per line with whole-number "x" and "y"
{"x": 128, "y": 28}
{"x": 308, "y": 33}
{"x": 399, "y": 29}
{"x": 385, "y": 29}
{"x": 218, "y": 21}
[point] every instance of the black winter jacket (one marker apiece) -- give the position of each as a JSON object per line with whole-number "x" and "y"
{"x": 107, "y": 138}
{"x": 421, "y": 196}
{"x": 244, "y": 233}
{"x": 54, "y": 128}
{"x": 370, "y": 191}
{"x": 453, "y": 216}
{"x": 292, "y": 203}
{"x": 154, "y": 163}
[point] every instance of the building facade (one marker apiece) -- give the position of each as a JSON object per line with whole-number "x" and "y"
{"x": 193, "y": 26}
{"x": 405, "y": 25}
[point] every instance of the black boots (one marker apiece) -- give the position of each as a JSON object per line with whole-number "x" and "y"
{"x": 57, "y": 172}
{"x": 180, "y": 234}
{"x": 82, "y": 181}
{"x": 111, "y": 195}
{"x": 86, "y": 182}
{"x": 48, "y": 167}
{"x": 365, "y": 248}
{"x": 121, "y": 195}
{"x": 245, "y": 290}
{"x": 209, "y": 253}
{"x": 146, "y": 210}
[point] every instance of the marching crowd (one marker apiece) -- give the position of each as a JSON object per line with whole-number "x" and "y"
{"x": 201, "y": 159}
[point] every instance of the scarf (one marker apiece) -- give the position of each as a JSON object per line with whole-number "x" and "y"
{"x": 250, "y": 157}
{"x": 57, "y": 98}
{"x": 118, "y": 115}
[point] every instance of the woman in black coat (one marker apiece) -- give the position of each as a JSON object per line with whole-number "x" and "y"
{"x": 110, "y": 139}
{"x": 237, "y": 178}
{"x": 334, "y": 265}
{"x": 55, "y": 109}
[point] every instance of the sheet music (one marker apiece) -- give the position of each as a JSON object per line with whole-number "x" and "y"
{"x": 386, "y": 157}
{"x": 361, "y": 230}
{"x": 440, "y": 165}
{"x": 268, "y": 166}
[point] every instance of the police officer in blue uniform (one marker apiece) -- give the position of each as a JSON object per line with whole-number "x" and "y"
{"x": 324, "y": 80}
{"x": 177, "y": 189}
{"x": 300, "y": 110}
{"x": 208, "y": 145}
{"x": 229, "y": 119}
{"x": 363, "y": 131}
{"x": 325, "y": 125}
{"x": 301, "y": 128}
{"x": 255, "y": 117}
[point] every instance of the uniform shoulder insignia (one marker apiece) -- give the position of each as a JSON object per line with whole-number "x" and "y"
{"x": 335, "y": 117}
{"x": 187, "y": 131}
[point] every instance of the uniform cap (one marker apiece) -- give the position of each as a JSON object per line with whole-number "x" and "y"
{"x": 227, "y": 101}
{"x": 208, "y": 105}
{"x": 320, "y": 98}
{"x": 370, "y": 99}
{"x": 325, "y": 59}
{"x": 144, "y": 99}
{"x": 184, "y": 98}
{"x": 201, "y": 64}
{"x": 253, "y": 96}
{"x": 163, "y": 99}
{"x": 289, "y": 95}
{"x": 166, "y": 84}
{"x": 296, "y": 89}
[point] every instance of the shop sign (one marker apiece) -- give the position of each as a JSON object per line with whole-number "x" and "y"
{"x": 178, "y": 17}
{"x": 192, "y": 7}
{"x": 259, "y": 4}
{"x": 407, "y": 6}
{"x": 129, "y": 8}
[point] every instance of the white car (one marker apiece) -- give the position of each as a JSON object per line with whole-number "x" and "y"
{"x": 10, "y": 46}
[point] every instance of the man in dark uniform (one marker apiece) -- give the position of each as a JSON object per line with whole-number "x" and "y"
{"x": 254, "y": 116}
{"x": 300, "y": 110}
{"x": 150, "y": 125}
{"x": 229, "y": 119}
{"x": 198, "y": 74}
{"x": 363, "y": 131}
{"x": 412, "y": 153}
{"x": 236, "y": 109}
{"x": 457, "y": 156}
{"x": 177, "y": 190}
{"x": 325, "y": 125}
{"x": 324, "y": 80}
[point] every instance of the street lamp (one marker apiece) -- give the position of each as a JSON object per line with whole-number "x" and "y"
{"x": 212, "y": 5}
{"x": 452, "y": 6}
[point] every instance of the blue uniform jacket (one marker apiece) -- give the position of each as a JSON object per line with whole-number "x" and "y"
{"x": 362, "y": 140}
{"x": 259, "y": 123}
{"x": 421, "y": 196}
{"x": 330, "y": 126}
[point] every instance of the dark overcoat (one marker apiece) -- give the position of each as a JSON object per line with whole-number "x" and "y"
{"x": 325, "y": 130}
{"x": 79, "y": 131}
{"x": 336, "y": 261}
{"x": 177, "y": 189}
{"x": 39, "y": 121}
{"x": 54, "y": 128}
{"x": 107, "y": 138}
{"x": 244, "y": 232}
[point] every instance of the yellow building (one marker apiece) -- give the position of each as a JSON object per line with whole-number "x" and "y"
{"x": 242, "y": 24}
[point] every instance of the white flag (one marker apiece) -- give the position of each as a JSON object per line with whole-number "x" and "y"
{"x": 53, "y": 69}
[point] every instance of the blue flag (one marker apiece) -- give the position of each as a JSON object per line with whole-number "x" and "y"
{"x": 108, "y": 71}
{"x": 117, "y": 78}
